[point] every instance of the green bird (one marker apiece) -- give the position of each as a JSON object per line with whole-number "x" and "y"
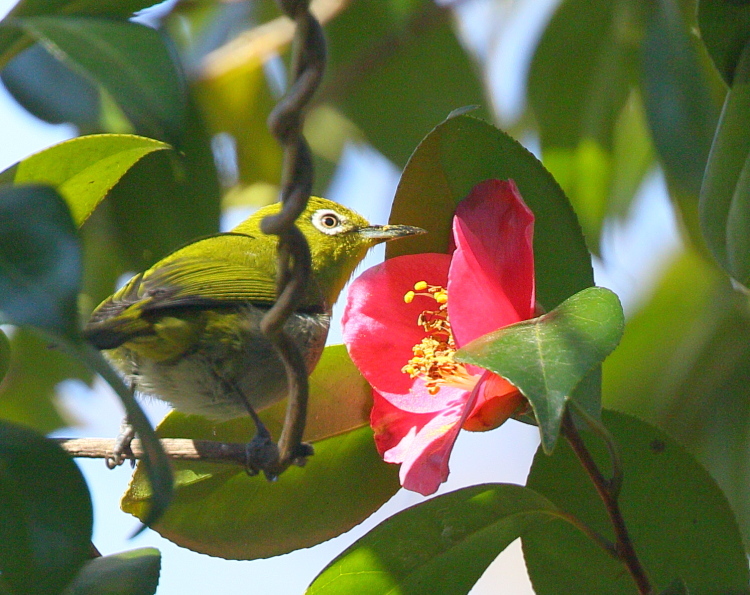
{"x": 187, "y": 330}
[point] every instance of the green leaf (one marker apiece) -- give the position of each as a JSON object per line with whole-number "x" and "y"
{"x": 40, "y": 260}
{"x": 45, "y": 513}
{"x": 676, "y": 587}
{"x": 219, "y": 510}
{"x": 547, "y": 357}
{"x": 129, "y": 573}
{"x": 129, "y": 60}
{"x": 724, "y": 202}
{"x": 678, "y": 99}
{"x": 725, "y": 29}
{"x": 678, "y": 519}
{"x": 395, "y": 69}
{"x": 84, "y": 169}
{"x": 50, "y": 90}
{"x": 439, "y": 546}
{"x": 4, "y": 355}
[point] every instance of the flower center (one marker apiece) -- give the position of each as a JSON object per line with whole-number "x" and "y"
{"x": 433, "y": 356}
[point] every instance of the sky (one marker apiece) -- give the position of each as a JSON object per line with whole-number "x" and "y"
{"x": 633, "y": 253}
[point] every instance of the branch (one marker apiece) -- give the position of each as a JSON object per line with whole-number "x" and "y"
{"x": 177, "y": 449}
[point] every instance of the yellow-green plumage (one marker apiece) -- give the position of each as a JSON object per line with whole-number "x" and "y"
{"x": 187, "y": 330}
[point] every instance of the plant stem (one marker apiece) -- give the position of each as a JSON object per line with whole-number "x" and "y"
{"x": 609, "y": 494}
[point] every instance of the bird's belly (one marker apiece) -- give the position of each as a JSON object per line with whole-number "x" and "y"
{"x": 229, "y": 366}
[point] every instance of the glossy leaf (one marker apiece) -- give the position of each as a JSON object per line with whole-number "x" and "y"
{"x": 679, "y": 104}
{"x": 129, "y": 573}
{"x": 725, "y": 29}
{"x": 45, "y": 516}
{"x": 439, "y": 546}
{"x": 129, "y": 60}
{"x": 395, "y": 69}
{"x": 679, "y": 520}
{"x": 40, "y": 260}
{"x": 84, "y": 169}
{"x": 724, "y": 199}
{"x": 221, "y": 511}
{"x": 547, "y": 357}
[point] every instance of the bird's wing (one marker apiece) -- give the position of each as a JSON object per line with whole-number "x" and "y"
{"x": 215, "y": 271}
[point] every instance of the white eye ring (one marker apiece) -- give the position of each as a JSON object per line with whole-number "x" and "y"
{"x": 327, "y": 221}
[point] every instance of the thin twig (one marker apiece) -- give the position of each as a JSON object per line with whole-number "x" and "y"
{"x": 623, "y": 545}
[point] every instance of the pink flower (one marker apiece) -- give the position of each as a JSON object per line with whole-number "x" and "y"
{"x": 401, "y": 331}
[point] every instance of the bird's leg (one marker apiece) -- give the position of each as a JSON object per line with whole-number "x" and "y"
{"x": 262, "y": 452}
{"x": 121, "y": 449}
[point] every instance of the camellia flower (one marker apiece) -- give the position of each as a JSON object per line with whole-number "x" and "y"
{"x": 404, "y": 320}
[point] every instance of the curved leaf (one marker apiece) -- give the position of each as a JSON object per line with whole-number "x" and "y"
{"x": 129, "y": 573}
{"x": 129, "y": 60}
{"x": 84, "y": 169}
{"x": 679, "y": 520}
{"x": 725, "y": 29}
{"x": 46, "y": 517}
{"x": 439, "y": 546}
{"x": 40, "y": 260}
{"x": 547, "y": 357}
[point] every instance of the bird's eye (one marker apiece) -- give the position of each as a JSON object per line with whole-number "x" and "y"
{"x": 327, "y": 221}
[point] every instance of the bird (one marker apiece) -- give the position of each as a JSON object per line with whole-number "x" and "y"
{"x": 187, "y": 330}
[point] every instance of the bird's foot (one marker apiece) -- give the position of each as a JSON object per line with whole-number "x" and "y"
{"x": 121, "y": 450}
{"x": 262, "y": 454}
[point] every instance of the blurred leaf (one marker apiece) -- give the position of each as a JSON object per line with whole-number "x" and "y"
{"x": 129, "y": 573}
{"x": 683, "y": 365}
{"x": 547, "y": 357}
{"x": 163, "y": 202}
{"x": 221, "y": 511}
{"x": 676, "y": 587}
{"x": 395, "y": 69}
{"x": 50, "y": 90}
{"x": 582, "y": 71}
{"x": 84, "y": 169}
{"x": 725, "y": 29}
{"x": 40, "y": 260}
{"x": 679, "y": 104}
{"x": 129, "y": 60}
{"x": 45, "y": 513}
{"x": 679, "y": 520}
{"x": 439, "y": 546}
{"x": 724, "y": 198}
{"x": 5, "y": 355}
{"x": 28, "y": 397}
{"x": 13, "y": 40}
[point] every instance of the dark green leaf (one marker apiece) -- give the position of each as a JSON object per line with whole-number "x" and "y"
{"x": 45, "y": 513}
{"x": 84, "y": 169}
{"x": 547, "y": 357}
{"x": 679, "y": 520}
{"x": 40, "y": 260}
{"x": 130, "y": 573}
{"x": 725, "y": 29}
{"x": 724, "y": 199}
{"x": 129, "y": 60}
{"x": 439, "y": 546}
{"x": 396, "y": 68}
{"x": 4, "y": 355}
{"x": 50, "y": 90}
{"x": 219, "y": 510}
{"x": 676, "y": 587}
{"x": 679, "y": 104}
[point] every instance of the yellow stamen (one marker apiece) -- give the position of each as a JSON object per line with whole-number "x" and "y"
{"x": 433, "y": 356}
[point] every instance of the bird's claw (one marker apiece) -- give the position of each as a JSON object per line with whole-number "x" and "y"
{"x": 121, "y": 449}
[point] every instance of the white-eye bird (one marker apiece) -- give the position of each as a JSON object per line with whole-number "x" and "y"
{"x": 187, "y": 330}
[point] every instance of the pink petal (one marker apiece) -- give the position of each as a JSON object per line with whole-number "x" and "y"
{"x": 380, "y": 329}
{"x": 422, "y": 443}
{"x": 491, "y": 278}
{"x": 496, "y": 400}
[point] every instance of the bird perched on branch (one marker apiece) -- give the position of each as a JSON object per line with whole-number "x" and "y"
{"x": 187, "y": 330}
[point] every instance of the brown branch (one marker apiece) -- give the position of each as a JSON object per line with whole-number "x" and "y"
{"x": 608, "y": 493}
{"x": 177, "y": 449}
